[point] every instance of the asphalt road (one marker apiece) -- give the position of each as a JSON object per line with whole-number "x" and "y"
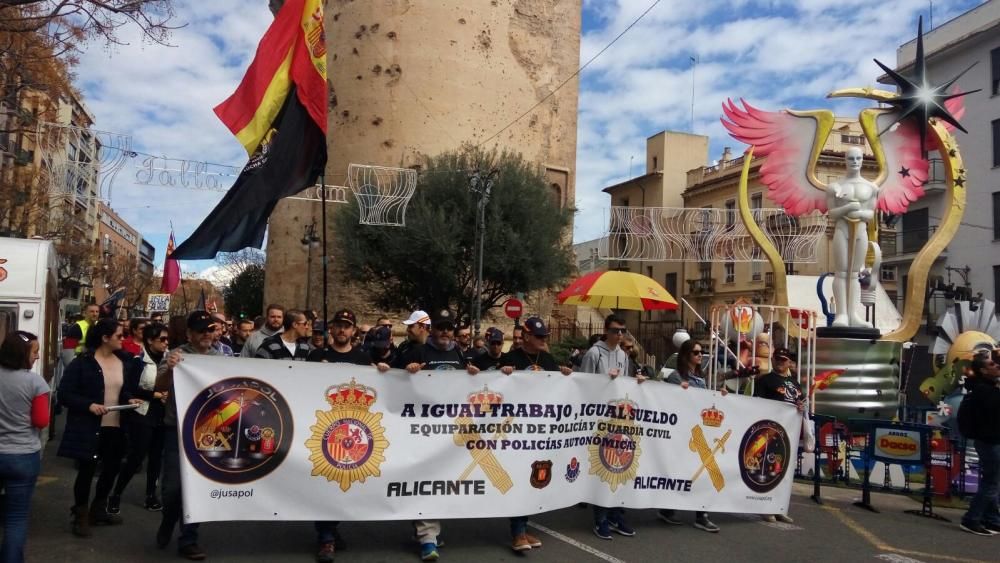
{"x": 837, "y": 532}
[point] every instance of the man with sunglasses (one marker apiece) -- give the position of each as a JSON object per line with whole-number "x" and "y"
{"x": 781, "y": 385}
{"x": 979, "y": 420}
{"x": 290, "y": 344}
{"x": 607, "y": 358}
{"x": 200, "y": 330}
{"x": 533, "y": 355}
{"x": 418, "y": 327}
{"x": 439, "y": 352}
{"x": 490, "y": 359}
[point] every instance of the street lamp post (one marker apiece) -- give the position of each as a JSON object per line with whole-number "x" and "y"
{"x": 481, "y": 185}
{"x": 309, "y": 241}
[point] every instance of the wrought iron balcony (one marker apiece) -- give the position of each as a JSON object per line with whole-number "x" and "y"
{"x": 701, "y": 286}
{"x": 901, "y": 244}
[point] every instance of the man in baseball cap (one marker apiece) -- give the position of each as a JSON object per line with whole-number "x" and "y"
{"x": 781, "y": 385}
{"x": 490, "y": 359}
{"x": 418, "y": 326}
{"x": 438, "y": 352}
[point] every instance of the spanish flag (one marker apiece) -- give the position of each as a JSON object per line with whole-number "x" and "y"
{"x": 278, "y": 113}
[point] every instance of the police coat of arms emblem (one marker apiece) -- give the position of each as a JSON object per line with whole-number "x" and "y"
{"x": 348, "y": 442}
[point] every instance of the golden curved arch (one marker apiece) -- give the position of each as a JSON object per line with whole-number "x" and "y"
{"x": 954, "y": 210}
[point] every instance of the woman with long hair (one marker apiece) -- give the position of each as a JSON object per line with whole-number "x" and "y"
{"x": 92, "y": 383}
{"x": 144, "y": 426}
{"x": 24, "y": 412}
{"x": 689, "y": 374}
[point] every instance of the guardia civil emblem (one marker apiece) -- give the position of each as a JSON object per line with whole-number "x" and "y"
{"x": 614, "y": 455}
{"x": 348, "y": 442}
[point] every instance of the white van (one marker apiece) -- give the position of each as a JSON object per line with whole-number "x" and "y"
{"x": 29, "y": 297}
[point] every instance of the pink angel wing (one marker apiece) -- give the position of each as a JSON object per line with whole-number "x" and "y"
{"x": 786, "y": 141}
{"x": 956, "y": 108}
{"x": 905, "y": 167}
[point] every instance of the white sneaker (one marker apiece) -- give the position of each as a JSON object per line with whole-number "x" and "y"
{"x": 768, "y": 517}
{"x": 783, "y": 518}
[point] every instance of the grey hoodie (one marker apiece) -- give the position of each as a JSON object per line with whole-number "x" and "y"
{"x": 601, "y": 359}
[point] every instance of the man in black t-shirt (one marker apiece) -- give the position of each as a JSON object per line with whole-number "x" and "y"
{"x": 340, "y": 350}
{"x": 417, "y": 328}
{"x": 440, "y": 352}
{"x": 780, "y": 383}
{"x": 533, "y": 355}
{"x": 490, "y": 359}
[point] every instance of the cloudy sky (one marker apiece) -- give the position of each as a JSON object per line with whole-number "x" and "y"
{"x": 774, "y": 53}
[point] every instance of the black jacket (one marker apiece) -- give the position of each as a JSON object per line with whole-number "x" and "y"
{"x": 984, "y": 400}
{"x": 82, "y": 385}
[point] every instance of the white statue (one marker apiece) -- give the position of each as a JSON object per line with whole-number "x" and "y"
{"x": 851, "y": 203}
{"x": 792, "y": 141}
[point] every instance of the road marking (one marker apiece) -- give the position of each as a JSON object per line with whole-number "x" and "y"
{"x": 894, "y": 558}
{"x": 882, "y": 546}
{"x": 784, "y": 527}
{"x": 576, "y": 544}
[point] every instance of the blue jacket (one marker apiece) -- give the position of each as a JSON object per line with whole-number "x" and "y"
{"x": 82, "y": 385}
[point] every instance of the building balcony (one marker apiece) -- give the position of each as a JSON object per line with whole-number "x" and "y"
{"x": 936, "y": 177}
{"x": 701, "y": 286}
{"x": 705, "y": 173}
{"x": 903, "y": 246}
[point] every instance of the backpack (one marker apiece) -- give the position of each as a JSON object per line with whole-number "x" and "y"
{"x": 968, "y": 426}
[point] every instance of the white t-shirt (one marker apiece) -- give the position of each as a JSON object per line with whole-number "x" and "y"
{"x": 290, "y": 345}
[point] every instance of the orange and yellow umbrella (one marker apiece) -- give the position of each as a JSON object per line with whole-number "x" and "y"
{"x": 618, "y": 290}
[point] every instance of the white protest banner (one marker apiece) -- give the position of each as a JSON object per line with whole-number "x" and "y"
{"x": 281, "y": 440}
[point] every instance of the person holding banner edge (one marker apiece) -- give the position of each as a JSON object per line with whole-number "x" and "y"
{"x": 687, "y": 375}
{"x": 439, "y": 352}
{"x": 979, "y": 420}
{"x": 533, "y": 355}
{"x": 606, "y": 357}
{"x": 200, "y": 333}
{"x": 780, "y": 385}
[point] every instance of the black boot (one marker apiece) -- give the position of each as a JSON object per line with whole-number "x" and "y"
{"x": 81, "y": 522}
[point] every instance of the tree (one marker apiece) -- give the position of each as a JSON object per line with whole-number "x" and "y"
{"x": 245, "y": 293}
{"x": 431, "y": 263}
{"x": 69, "y": 23}
{"x": 122, "y": 271}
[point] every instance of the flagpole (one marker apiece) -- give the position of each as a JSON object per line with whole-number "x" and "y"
{"x": 326, "y": 329}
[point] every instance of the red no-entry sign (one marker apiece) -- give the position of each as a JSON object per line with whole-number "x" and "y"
{"x": 512, "y": 308}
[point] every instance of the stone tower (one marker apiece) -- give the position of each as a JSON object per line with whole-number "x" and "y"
{"x": 412, "y": 78}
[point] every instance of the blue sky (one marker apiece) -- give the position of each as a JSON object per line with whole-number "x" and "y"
{"x": 774, "y": 53}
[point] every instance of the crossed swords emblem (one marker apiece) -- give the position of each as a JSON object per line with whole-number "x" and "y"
{"x": 699, "y": 445}
{"x": 495, "y": 472}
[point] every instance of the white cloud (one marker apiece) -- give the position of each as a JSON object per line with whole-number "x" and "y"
{"x": 774, "y": 53}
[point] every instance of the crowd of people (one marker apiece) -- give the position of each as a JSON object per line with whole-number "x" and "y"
{"x": 117, "y": 393}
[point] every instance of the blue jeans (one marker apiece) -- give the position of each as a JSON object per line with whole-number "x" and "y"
{"x": 614, "y": 514}
{"x": 18, "y": 473}
{"x": 983, "y": 508}
{"x": 171, "y": 484}
{"x": 518, "y": 525}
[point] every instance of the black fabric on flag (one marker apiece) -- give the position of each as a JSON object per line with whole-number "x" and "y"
{"x": 286, "y": 164}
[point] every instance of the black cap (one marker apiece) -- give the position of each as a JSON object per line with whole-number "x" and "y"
{"x": 380, "y": 337}
{"x": 443, "y": 317}
{"x": 200, "y": 321}
{"x": 783, "y": 353}
{"x": 536, "y": 326}
{"x": 493, "y": 334}
{"x": 344, "y": 316}
{"x": 319, "y": 327}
